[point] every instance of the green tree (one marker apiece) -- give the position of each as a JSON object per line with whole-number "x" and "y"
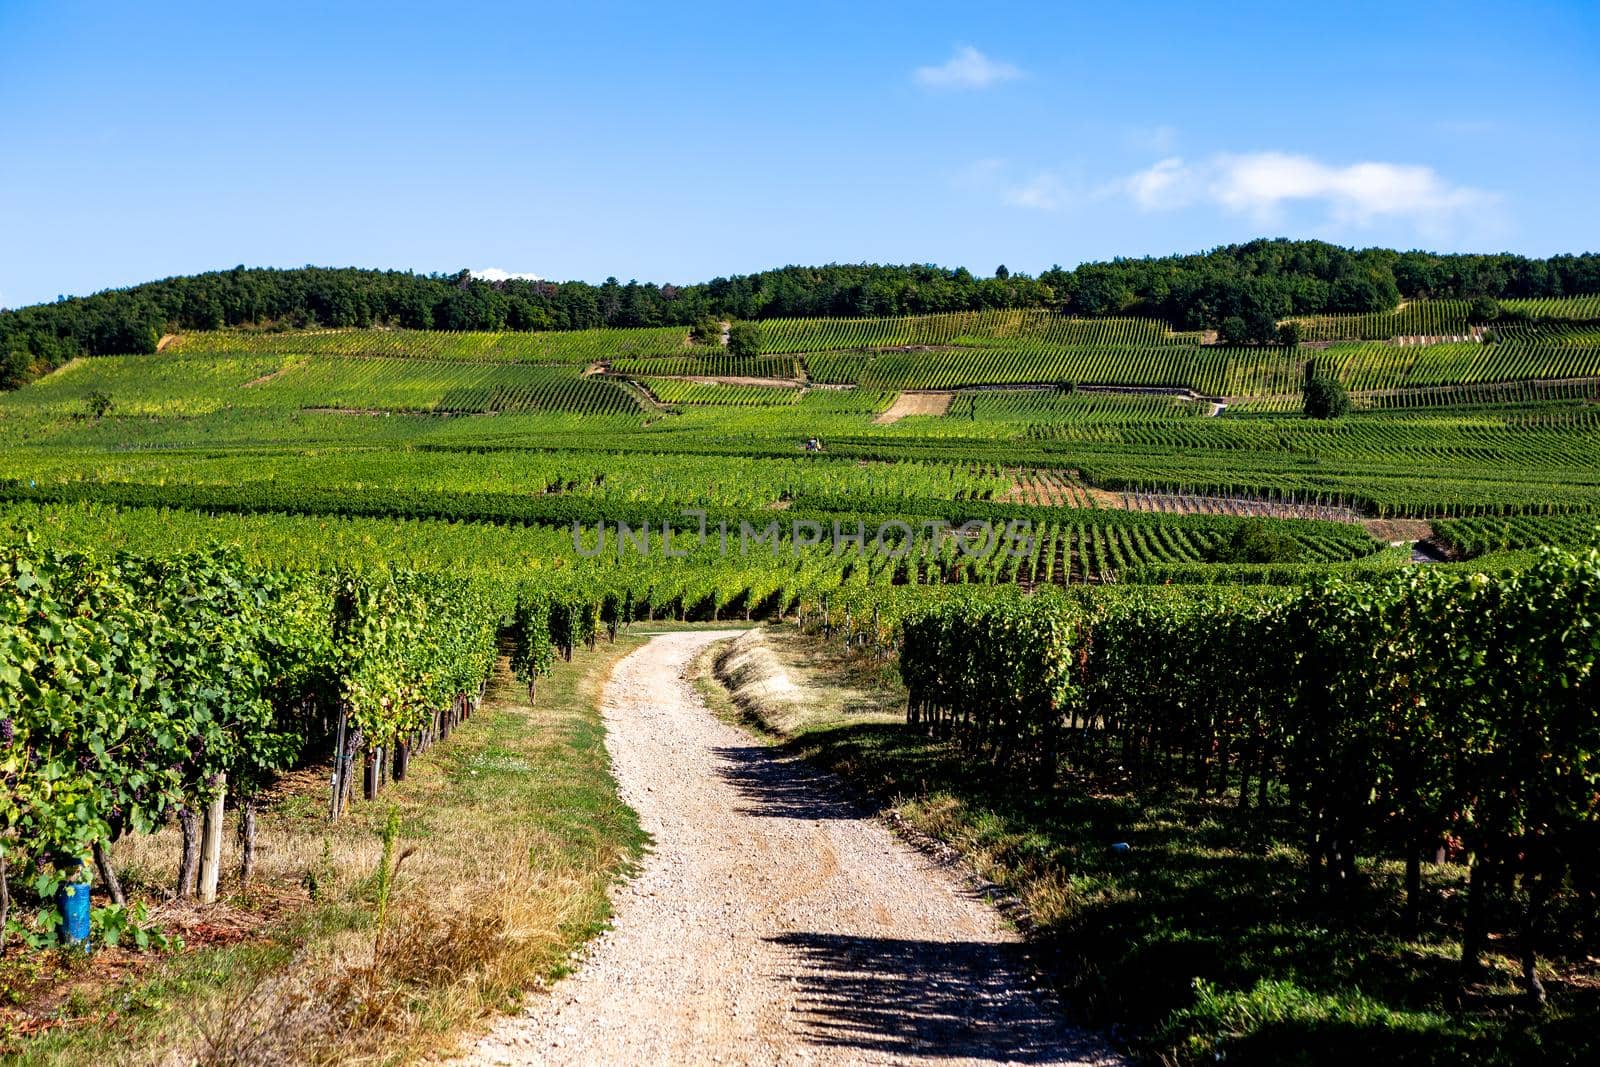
{"x": 744, "y": 339}
{"x": 1257, "y": 327}
{"x": 15, "y": 368}
{"x": 707, "y": 331}
{"x": 1323, "y": 397}
{"x": 1257, "y": 541}
{"x": 1289, "y": 334}
{"x": 1483, "y": 309}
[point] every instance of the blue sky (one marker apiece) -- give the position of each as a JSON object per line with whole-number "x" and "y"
{"x": 676, "y": 142}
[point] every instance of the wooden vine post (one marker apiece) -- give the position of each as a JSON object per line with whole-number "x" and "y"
{"x": 211, "y": 842}
{"x": 339, "y": 762}
{"x": 187, "y": 867}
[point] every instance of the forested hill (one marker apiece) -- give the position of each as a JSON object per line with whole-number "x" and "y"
{"x": 1254, "y": 283}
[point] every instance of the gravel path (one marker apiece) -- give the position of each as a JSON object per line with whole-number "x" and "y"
{"x": 773, "y": 922}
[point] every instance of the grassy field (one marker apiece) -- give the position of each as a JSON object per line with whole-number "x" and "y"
{"x": 1196, "y": 944}
{"x": 507, "y": 837}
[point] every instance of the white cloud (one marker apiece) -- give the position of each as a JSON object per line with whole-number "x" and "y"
{"x": 1168, "y": 184}
{"x": 1262, "y": 184}
{"x": 968, "y": 68}
{"x": 495, "y": 274}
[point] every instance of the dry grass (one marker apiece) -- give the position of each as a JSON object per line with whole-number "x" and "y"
{"x": 512, "y": 834}
{"x": 789, "y": 687}
{"x": 396, "y": 993}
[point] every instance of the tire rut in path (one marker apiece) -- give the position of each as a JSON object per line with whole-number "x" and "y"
{"x": 773, "y": 921}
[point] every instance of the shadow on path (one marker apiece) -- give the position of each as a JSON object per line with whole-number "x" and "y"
{"x": 772, "y": 786}
{"x": 956, "y": 1000}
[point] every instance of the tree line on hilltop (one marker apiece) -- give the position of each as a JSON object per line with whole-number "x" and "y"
{"x": 1243, "y": 289}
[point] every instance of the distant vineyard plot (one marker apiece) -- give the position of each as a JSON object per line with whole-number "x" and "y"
{"x": 569, "y": 346}
{"x": 1254, "y": 506}
{"x": 1503, "y": 421}
{"x": 180, "y": 383}
{"x": 1423, "y": 343}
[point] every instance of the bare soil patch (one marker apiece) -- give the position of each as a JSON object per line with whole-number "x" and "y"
{"x": 1393, "y": 531}
{"x": 1104, "y": 498}
{"x": 1050, "y": 488}
{"x": 915, "y": 404}
{"x": 1222, "y": 504}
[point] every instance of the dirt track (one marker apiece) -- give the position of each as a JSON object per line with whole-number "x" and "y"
{"x": 775, "y": 922}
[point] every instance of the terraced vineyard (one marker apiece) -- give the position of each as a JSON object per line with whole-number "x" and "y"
{"x": 1495, "y": 394}
{"x": 1217, "y": 371}
{"x": 1426, "y": 343}
{"x": 1474, "y": 537}
{"x": 1507, "y": 423}
{"x": 675, "y": 391}
{"x": 720, "y": 365}
{"x": 1368, "y": 366}
{"x": 163, "y": 385}
{"x": 1481, "y": 427}
{"x": 1418, "y": 319}
{"x": 1386, "y": 463}
{"x": 969, "y": 328}
{"x": 193, "y": 384}
{"x": 1164, "y": 366}
{"x": 525, "y": 478}
{"x": 1560, "y": 308}
{"x": 573, "y": 346}
{"x": 1051, "y": 406}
